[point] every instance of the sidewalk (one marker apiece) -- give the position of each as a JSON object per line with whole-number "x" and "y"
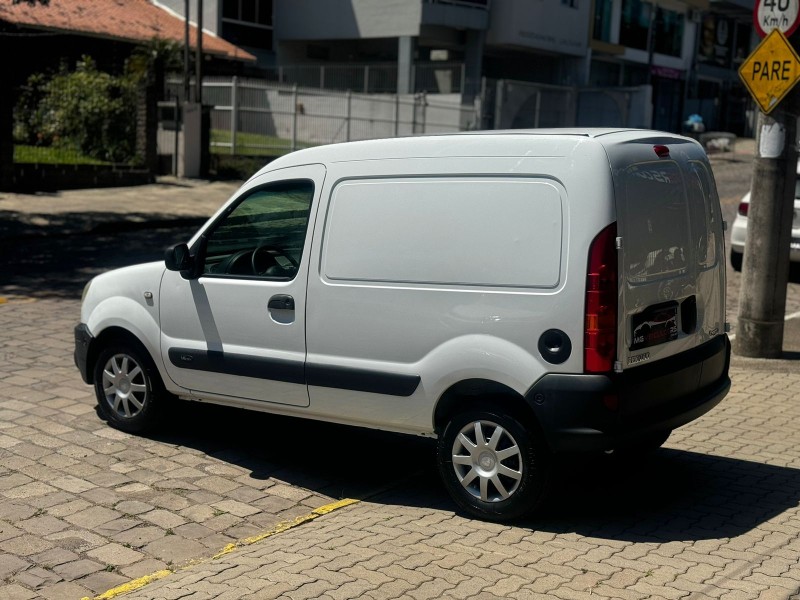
{"x": 170, "y": 202}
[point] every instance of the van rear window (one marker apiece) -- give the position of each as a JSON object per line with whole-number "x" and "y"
{"x": 705, "y": 217}
{"x": 656, "y": 222}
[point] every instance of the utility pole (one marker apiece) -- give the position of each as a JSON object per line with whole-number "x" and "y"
{"x": 198, "y": 90}
{"x": 770, "y": 73}
{"x": 765, "y": 272}
{"x": 186, "y": 84}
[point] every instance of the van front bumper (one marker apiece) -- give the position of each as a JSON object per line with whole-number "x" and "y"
{"x": 83, "y": 339}
{"x": 604, "y": 412}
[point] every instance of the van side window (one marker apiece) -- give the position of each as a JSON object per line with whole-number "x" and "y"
{"x": 263, "y": 235}
{"x": 705, "y": 221}
{"x": 656, "y": 221}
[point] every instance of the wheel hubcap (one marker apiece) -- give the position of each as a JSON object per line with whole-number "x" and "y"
{"x": 124, "y": 386}
{"x": 487, "y": 461}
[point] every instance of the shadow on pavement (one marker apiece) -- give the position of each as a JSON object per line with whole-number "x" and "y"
{"x": 59, "y": 266}
{"x": 669, "y": 495}
{"x": 333, "y": 460}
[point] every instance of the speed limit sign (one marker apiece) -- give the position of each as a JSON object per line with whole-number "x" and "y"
{"x": 776, "y": 14}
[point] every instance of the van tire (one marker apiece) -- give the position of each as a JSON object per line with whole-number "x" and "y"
{"x": 483, "y": 447}
{"x": 129, "y": 390}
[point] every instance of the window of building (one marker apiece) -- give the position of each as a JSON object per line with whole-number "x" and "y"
{"x": 635, "y": 25}
{"x": 254, "y": 12}
{"x": 668, "y": 32}
{"x": 602, "y": 20}
{"x": 741, "y": 43}
{"x": 248, "y": 22}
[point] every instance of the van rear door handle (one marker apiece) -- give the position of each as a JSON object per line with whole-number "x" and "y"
{"x": 281, "y": 302}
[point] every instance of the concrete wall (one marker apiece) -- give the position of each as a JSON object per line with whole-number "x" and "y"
{"x": 346, "y": 19}
{"x": 540, "y": 25}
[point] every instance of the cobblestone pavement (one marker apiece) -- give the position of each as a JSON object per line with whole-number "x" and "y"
{"x": 85, "y": 508}
{"x": 713, "y": 515}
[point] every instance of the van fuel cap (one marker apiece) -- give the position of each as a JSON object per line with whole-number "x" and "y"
{"x": 555, "y": 346}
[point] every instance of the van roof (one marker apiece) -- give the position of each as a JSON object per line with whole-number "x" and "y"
{"x": 489, "y": 143}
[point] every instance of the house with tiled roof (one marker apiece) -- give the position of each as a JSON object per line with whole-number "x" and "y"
{"x": 44, "y": 35}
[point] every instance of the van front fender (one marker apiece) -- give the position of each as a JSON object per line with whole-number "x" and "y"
{"x": 125, "y": 313}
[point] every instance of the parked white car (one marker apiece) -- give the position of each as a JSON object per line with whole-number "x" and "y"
{"x": 512, "y": 294}
{"x": 739, "y": 229}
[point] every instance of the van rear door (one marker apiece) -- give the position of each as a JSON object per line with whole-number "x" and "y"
{"x": 671, "y": 269}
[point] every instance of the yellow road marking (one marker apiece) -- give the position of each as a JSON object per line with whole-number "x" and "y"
{"x": 279, "y": 528}
{"x": 286, "y": 525}
{"x": 16, "y": 299}
{"x": 133, "y": 585}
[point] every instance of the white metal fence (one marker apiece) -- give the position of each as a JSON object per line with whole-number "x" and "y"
{"x": 257, "y": 117}
{"x": 520, "y": 104}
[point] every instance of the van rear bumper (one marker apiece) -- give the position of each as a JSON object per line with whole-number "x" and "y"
{"x": 603, "y": 412}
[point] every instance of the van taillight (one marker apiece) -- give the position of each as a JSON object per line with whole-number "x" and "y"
{"x": 600, "y": 336}
{"x": 743, "y": 208}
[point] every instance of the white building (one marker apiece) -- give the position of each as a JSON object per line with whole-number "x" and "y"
{"x": 686, "y": 51}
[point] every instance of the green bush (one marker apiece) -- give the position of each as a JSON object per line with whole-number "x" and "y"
{"x": 89, "y": 111}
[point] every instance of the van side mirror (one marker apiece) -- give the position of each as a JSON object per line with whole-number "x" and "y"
{"x": 178, "y": 258}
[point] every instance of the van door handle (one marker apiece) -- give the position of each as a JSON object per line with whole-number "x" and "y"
{"x": 281, "y": 302}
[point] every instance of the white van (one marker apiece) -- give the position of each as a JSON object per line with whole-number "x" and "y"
{"x": 513, "y": 294}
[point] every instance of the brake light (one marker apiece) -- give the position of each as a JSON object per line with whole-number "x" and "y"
{"x": 661, "y": 151}
{"x": 600, "y": 317}
{"x": 743, "y": 208}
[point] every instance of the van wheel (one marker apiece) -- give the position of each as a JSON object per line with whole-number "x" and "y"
{"x": 128, "y": 388}
{"x": 736, "y": 260}
{"x": 494, "y": 467}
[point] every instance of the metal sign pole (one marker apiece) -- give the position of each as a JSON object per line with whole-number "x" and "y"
{"x": 770, "y": 73}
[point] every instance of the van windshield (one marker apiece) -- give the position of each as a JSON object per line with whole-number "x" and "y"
{"x": 656, "y": 222}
